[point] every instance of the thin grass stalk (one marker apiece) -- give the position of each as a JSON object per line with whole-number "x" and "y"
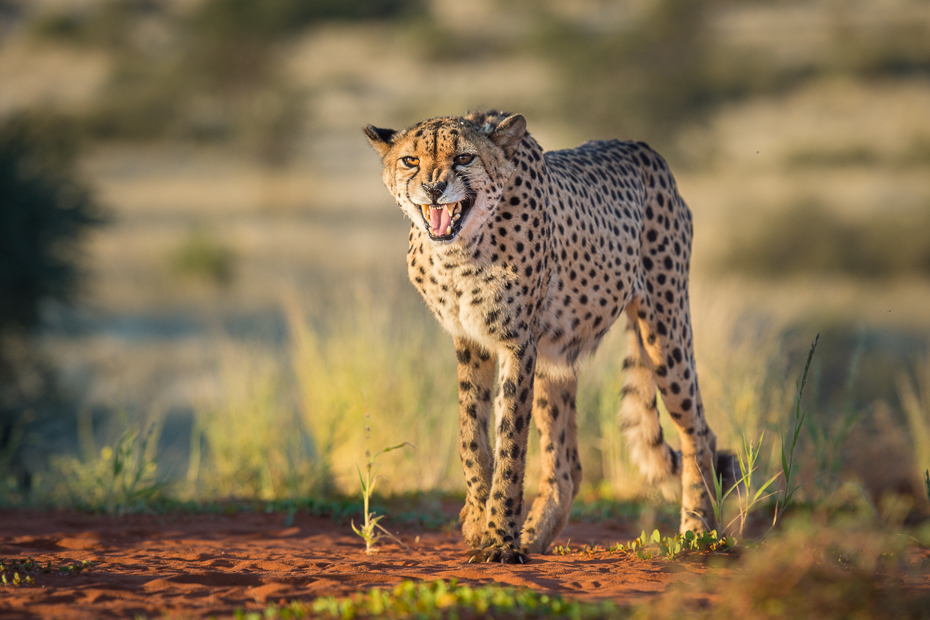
{"x": 787, "y": 455}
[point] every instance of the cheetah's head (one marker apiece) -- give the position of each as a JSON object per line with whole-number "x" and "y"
{"x": 448, "y": 174}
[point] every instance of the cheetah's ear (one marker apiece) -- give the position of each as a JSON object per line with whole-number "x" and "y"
{"x": 508, "y": 133}
{"x": 381, "y": 140}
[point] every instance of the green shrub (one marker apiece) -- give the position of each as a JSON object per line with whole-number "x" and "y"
{"x": 122, "y": 477}
{"x": 203, "y": 257}
{"x": 44, "y": 210}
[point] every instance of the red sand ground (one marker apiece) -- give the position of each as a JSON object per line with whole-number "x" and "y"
{"x": 196, "y": 566}
{"x": 200, "y": 565}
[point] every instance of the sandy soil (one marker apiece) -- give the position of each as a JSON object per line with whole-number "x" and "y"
{"x": 194, "y": 566}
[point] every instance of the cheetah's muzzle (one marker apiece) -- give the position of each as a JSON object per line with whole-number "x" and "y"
{"x": 444, "y": 221}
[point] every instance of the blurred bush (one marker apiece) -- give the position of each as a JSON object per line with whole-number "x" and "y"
{"x": 122, "y": 477}
{"x": 213, "y": 71}
{"x": 665, "y": 65}
{"x": 44, "y": 211}
{"x": 201, "y": 256}
{"x": 811, "y": 239}
{"x": 645, "y": 79}
{"x": 835, "y": 563}
{"x": 211, "y": 74}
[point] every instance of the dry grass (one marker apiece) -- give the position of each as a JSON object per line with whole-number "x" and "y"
{"x": 840, "y": 570}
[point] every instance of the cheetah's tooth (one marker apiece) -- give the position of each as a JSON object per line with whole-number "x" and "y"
{"x": 456, "y": 217}
{"x": 449, "y": 230}
{"x": 457, "y": 208}
{"x": 448, "y": 210}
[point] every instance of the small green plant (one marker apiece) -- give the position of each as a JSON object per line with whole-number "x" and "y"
{"x": 16, "y": 572}
{"x": 788, "y": 448}
{"x": 16, "y": 580}
{"x": 119, "y": 478}
{"x": 566, "y": 550}
{"x": 748, "y": 459}
{"x": 656, "y": 546}
{"x": 371, "y": 530}
{"x": 75, "y": 568}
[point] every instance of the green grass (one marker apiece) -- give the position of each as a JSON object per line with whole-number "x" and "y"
{"x": 390, "y": 355}
{"x": 287, "y": 427}
{"x": 656, "y": 546}
{"x": 254, "y": 444}
{"x": 440, "y": 599}
{"x": 122, "y": 477}
{"x": 789, "y": 441}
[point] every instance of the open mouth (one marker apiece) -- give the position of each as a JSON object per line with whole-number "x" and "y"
{"x": 444, "y": 221}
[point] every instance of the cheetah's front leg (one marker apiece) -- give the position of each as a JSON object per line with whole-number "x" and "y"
{"x": 554, "y": 414}
{"x": 501, "y": 540}
{"x": 476, "y": 378}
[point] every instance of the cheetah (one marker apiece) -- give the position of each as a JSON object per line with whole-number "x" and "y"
{"x": 527, "y": 258}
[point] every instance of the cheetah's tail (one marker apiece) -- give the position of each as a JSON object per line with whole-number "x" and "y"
{"x": 639, "y": 418}
{"x": 639, "y": 415}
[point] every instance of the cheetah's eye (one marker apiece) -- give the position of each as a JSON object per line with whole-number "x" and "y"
{"x": 463, "y": 160}
{"x": 411, "y": 162}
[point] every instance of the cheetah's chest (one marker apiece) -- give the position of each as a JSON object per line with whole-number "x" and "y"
{"x": 469, "y": 301}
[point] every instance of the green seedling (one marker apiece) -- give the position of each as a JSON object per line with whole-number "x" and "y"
{"x": 371, "y": 531}
{"x": 75, "y": 569}
{"x": 14, "y": 572}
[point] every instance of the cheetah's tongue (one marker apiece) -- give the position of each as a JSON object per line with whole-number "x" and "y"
{"x": 440, "y": 220}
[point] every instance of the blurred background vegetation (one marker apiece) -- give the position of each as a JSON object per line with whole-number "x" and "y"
{"x": 197, "y": 168}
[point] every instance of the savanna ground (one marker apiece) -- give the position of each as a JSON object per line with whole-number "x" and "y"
{"x": 293, "y": 564}
{"x": 191, "y": 424}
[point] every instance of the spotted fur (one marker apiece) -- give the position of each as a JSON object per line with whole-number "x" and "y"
{"x": 548, "y": 250}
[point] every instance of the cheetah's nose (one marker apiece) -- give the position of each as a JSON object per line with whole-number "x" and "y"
{"x": 434, "y": 190}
